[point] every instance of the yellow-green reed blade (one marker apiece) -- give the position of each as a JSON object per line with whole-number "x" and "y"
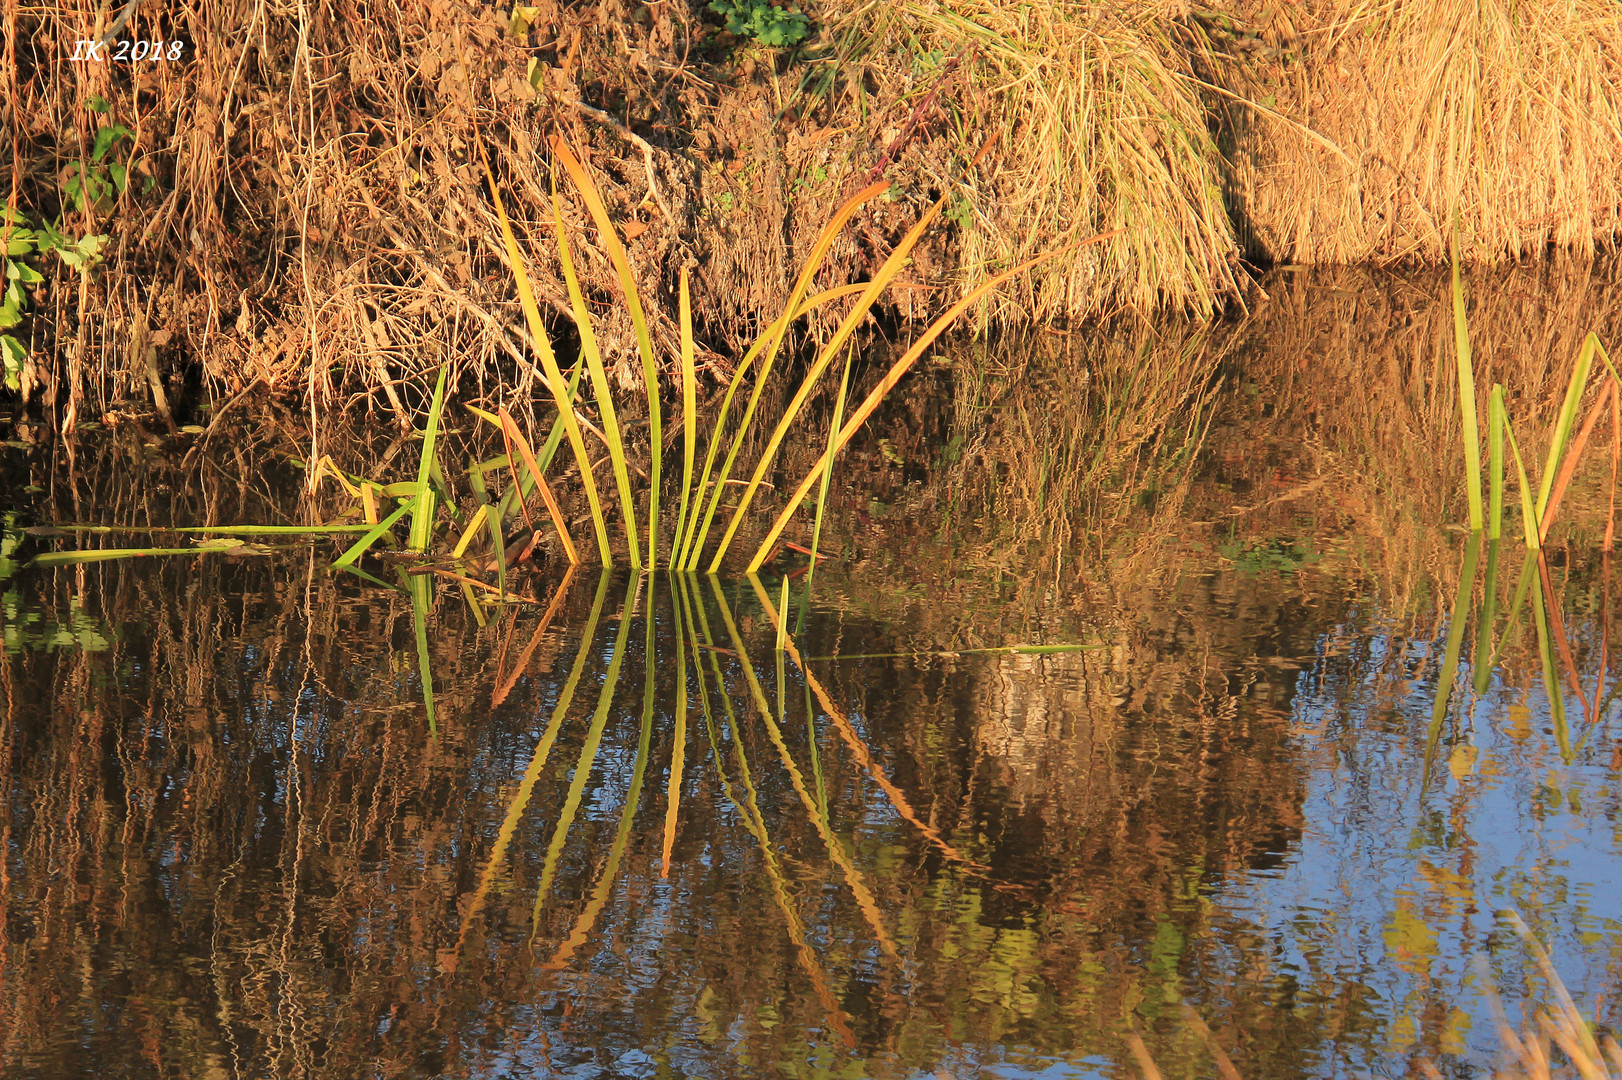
{"x": 1564, "y": 422}
{"x": 689, "y": 555}
{"x": 422, "y": 514}
{"x": 778, "y": 329}
{"x": 1489, "y": 617}
{"x": 537, "y": 760}
{"x": 827, "y": 474}
{"x": 859, "y": 750}
{"x": 689, "y": 415}
{"x": 361, "y": 546}
{"x": 588, "y": 757}
{"x": 639, "y": 322}
{"x": 1573, "y": 456}
{"x": 473, "y": 525}
{"x": 599, "y": 384}
{"x": 847, "y": 326}
{"x": 1530, "y": 525}
{"x": 888, "y": 383}
{"x": 678, "y": 747}
{"x": 421, "y": 590}
{"x": 1450, "y": 657}
{"x": 95, "y": 555}
{"x": 836, "y": 850}
{"x": 1467, "y": 396}
{"x": 1495, "y": 462}
{"x": 514, "y": 436}
{"x": 561, "y": 396}
{"x": 633, "y": 799}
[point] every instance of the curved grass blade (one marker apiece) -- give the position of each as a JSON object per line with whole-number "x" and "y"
{"x": 593, "y": 357}
{"x": 561, "y": 396}
{"x": 888, "y": 383}
{"x": 639, "y": 323}
{"x": 689, "y": 415}
{"x": 870, "y": 294}
{"x": 516, "y": 437}
{"x": 827, "y": 474}
{"x": 773, "y": 339}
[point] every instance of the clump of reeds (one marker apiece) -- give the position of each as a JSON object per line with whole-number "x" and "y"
{"x": 1363, "y": 131}
{"x": 1539, "y": 507}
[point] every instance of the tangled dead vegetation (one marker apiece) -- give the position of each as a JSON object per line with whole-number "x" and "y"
{"x": 303, "y": 215}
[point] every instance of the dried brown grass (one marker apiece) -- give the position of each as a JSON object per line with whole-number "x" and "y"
{"x": 1389, "y": 120}
{"x": 1101, "y": 125}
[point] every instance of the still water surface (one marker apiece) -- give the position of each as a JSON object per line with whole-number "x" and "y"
{"x": 642, "y": 841}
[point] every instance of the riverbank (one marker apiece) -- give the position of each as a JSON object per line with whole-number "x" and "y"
{"x": 295, "y": 207}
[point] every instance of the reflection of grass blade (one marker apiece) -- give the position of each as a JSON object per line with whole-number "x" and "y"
{"x": 1551, "y": 677}
{"x": 588, "y": 757}
{"x": 421, "y": 588}
{"x": 610, "y": 239}
{"x": 1489, "y": 617}
{"x": 864, "y": 756}
{"x": 633, "y": 799}
{"x": 1467, "y": 396}
{"x": 1557, "y": 629}
{"x": 95, "y": 555}
{"x": 871, "y": 403}
{"x": 678, "y": 746}
{"x": 422, "y": 511}
{"x": 543, "y": 749}
{"x": 522, "y": 665}
{"x": 836, "y": 849}
{"x": 755, "y": 823}
{"x": 1455, "y": 642}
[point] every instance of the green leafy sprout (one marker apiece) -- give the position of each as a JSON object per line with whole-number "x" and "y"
{"x": 764, "y": 21}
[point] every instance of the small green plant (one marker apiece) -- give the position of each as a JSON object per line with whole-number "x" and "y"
{"x": 764, "y": 21}
{"x": 22, "y": 244}
{"x": 99, "y": 182}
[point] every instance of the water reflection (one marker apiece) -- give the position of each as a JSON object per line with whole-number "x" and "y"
{"x": 644, "y": 840}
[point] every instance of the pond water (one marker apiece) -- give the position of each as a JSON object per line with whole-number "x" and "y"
{"x": 1011, "y": 795}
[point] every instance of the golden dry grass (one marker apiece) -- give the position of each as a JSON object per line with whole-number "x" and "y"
{"x": 1503, "y": 114}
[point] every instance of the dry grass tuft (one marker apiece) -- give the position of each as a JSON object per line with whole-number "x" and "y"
{"x": 1100, "y": 126}
{"x": 1503, "y": 114}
